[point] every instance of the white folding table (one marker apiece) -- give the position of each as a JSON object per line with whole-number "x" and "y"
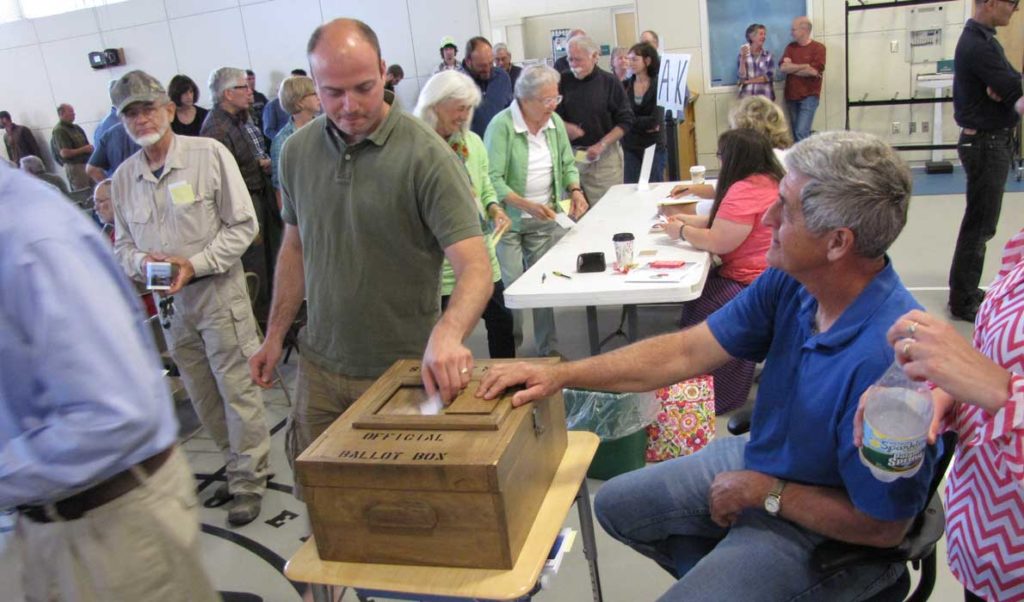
{"x": 623, "y": 209}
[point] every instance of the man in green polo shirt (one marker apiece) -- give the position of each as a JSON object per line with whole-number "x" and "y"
{"x": 71, "y": 147}
{"x": 373, "y": 201}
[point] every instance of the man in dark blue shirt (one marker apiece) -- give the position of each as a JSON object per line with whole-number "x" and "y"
{"x": 111, "y": 150}
{"x": 740, "y": 518}
{"x": 495, "y": 85}
{"x": 985, "y": 87}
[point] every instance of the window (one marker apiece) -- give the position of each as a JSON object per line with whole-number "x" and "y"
{"x": 13, "y": 10}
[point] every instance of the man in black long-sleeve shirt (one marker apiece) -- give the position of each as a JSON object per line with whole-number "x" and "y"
{"x": 985, "y": 87}
{"x": 596, "y": 114}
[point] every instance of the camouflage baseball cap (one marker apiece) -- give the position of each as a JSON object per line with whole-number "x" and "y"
{"x": 135, "y": 86}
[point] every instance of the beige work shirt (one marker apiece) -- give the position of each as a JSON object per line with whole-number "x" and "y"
{"x": 199, "y": 208}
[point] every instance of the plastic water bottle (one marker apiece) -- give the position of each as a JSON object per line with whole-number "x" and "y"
{"x": 897, "y": 416}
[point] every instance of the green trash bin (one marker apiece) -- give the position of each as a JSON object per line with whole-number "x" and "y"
{"x": 620, "y": 420}
{"x": 619, "y": 456}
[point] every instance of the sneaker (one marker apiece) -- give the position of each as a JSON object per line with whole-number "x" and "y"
{"x": 245, "y": 510}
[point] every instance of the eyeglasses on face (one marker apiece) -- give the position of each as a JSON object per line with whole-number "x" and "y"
{"x": 551, "y": 101}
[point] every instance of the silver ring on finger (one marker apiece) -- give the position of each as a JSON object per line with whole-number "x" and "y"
{"x": 464, "y": 371}
{"x": 906, "y": 350}
{"x": 912, "y": 329}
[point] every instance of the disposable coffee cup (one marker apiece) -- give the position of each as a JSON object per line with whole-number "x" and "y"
{"x": 697, "y": 174}
{"x": 623, "y": 242}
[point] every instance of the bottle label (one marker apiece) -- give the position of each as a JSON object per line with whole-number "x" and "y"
{"x": 892, "y": 454}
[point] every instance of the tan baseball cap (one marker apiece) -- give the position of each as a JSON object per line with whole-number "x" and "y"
{"x": 135, "y": 86}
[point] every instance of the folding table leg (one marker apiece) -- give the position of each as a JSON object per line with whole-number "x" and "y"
{"x": 589, "y": 539}
{"x": 592, "y": 334}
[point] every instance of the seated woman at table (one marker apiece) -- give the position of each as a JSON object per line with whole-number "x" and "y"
{"x": 647, "y": 128}
{"x": 532, "y": 167}
{"x": 446, "y": 104}
{"x": 980, "y": 395}
{"x": 761, "y": 115}
{"x": 748, "y": 185}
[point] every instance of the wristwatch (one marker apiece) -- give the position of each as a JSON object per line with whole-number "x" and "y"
{"x": 773, "y": 501}
{"x": 575, "y": 189}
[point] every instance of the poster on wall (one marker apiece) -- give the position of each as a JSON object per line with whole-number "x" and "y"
{"x": 559, "y": 43}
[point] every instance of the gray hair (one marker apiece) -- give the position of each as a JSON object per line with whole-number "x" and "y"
{"x": 855, "y": 181}
{"x": 502, "y": 46}
{"x": 222, "y": 79}
{"x": 32, "y": 164}
{"x": 586, "y": 43}
{"x": 533, "y": 78}
{"x": 444, "y": 86}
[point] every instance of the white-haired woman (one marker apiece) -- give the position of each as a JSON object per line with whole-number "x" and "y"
{"x": 446, "y": 104}
{"x": 532, "y": 167}
{"x": 298, "y": 97}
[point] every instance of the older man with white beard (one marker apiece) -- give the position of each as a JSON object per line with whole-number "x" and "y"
{"x": 182, "y": 200}
{"x": 596, "y": 114}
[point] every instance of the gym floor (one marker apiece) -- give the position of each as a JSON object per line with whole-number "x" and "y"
{"x": 250, "y": 559}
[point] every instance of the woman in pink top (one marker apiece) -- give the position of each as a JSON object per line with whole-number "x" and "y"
{"x": 748, "y": 184}
{"x": 980, "y": 394}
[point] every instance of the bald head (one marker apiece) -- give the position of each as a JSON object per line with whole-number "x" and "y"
{"x": 801, "y": 30}
{"x": 345, "y": 62}
{"x": 343, "y": 34}
{"x": 102, "y": 200}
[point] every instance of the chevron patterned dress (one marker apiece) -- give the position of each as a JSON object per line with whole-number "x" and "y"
{"x": 985, "y": 491}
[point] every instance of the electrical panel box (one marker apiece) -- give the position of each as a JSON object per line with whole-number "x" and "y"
{"x": 924, "y": 34}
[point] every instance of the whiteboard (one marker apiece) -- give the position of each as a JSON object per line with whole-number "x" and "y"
{"x": 724, "y": 23}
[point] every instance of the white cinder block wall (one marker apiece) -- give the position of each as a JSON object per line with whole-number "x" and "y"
{"x": 874, "y": 69}
{"x": 45, "y": 61}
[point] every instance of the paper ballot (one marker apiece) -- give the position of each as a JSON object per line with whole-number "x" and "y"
{"x": 563, "y": 220}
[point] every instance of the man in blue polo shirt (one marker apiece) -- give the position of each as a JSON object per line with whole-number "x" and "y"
{"x": 744, "y": 514}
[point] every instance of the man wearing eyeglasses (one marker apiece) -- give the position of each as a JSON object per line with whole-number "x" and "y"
{"x": 985, "y": 88}
{"x": 182, "y": 200}
{"x": 229, "y": 123}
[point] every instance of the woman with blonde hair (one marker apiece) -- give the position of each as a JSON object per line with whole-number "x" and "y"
{"x": 298, "y": 98}
{"x": 762, "y": 115}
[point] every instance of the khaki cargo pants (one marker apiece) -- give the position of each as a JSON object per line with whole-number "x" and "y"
{"x": 212, "y": 336}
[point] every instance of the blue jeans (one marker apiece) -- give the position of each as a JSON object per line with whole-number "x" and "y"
{"x": 517, "y": 251}
{"x": 801, "y": 116}
{"x": 632, "y": 161}
{"x": 662, "y": 511}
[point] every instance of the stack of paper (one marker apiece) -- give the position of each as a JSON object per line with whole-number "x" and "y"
{"x": 646, "y": 273}
{"x": 563, "y": 543}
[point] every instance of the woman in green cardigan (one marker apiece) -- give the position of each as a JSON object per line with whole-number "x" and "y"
{"x": 532, "y": 168}
{"x": 446, "y": 104}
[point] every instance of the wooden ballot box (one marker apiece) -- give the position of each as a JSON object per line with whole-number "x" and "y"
{"x": 399, "y": 480}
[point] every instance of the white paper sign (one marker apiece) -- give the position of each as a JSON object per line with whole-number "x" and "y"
{"x": 672, "y": 81}
{"x": 645, "y": 169}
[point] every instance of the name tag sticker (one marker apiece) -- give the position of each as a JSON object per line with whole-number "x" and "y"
{"x": 181, "y": 193}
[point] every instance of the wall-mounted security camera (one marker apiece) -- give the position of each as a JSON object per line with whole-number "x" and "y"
{"x": 106, "y": 58}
